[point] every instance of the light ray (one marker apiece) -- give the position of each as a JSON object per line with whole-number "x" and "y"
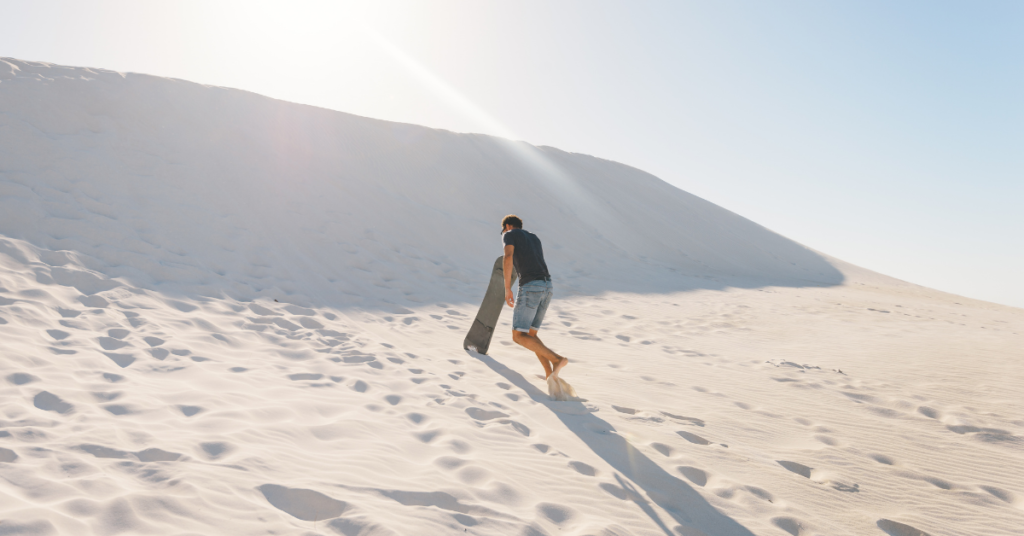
{"x": 566, "y": 187}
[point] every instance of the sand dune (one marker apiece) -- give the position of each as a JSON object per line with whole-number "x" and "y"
{"x": 226, "y": 314}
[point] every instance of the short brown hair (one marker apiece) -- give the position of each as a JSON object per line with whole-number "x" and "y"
{"x": 512, "y": 220}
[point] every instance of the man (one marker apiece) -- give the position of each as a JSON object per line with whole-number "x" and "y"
{"x": 523, "y": 250}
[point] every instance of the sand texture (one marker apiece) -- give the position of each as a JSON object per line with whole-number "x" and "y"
{"x": 222, "y": 314}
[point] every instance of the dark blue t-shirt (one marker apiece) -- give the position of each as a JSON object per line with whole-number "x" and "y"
{"x": 527, "y": 257}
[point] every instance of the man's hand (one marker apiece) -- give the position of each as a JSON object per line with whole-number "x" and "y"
{"x": 509, "y": 299}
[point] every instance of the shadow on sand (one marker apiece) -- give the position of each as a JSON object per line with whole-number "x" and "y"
{"x": 693, "y": 515}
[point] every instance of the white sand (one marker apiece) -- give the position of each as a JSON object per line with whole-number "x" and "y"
{"x": 151, "y": 384}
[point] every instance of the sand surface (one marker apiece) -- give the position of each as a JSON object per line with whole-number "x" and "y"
{"x": 222, "y": 314}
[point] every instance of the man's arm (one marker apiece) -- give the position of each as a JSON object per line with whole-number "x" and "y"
{"x": 507, "y": 268}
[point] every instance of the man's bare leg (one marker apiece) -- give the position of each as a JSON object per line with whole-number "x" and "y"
{"x": 546, "y": 364}
{"x": 532, "y": 342}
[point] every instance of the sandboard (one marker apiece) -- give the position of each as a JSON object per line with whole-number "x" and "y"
{"x": 479, "y": 336}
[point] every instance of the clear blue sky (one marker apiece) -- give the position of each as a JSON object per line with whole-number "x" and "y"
{"x": 888, "y": 134}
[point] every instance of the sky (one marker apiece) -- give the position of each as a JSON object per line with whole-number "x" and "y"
{"x": 887, "y": 134}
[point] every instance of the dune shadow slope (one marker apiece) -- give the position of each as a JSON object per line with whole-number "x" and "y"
{"x": 200, "y": 191}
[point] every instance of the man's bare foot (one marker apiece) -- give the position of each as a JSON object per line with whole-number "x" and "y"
{"x": 562, "y": 362}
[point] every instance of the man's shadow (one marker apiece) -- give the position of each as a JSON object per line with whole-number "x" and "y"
{"x": 674, "y": 496}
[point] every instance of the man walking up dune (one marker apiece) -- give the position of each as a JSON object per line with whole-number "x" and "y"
{"x": 523, "y": 251}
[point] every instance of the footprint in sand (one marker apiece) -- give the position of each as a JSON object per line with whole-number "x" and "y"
{"x": 663, "y": 449}
{"x": 883, "y": 459}
{"x": 449, "y": 463}
{"x": 694, "y": 474}
{"x": 110, "y": 343}
{"x": 107, "y": 397}
{"x": 21, "y": 378}
{"x": 157, "y": 455}
{"x": 988, "y": 435}
{"x": 189, "y": 411}
{"x": 1001, "y": 494}
{"x": 304, "y": 504}
{"x": 262, "y": 311}
{"x": 894, "y": 528}
{"x": 832, "y": 442}
{"x": 134, "y": 319}
{"x": 7, "y": 455}
{"x": 693, "y": 438}
{"x": 427, "y": 436}
{"x": 58, "y": 334}
{"x": 97, "y": 302}
{"x": 459, "y": 447}
{"x": 309, "y": 323}
{"x": 284, "y": 324}
{"x": 691, "y": 420}
{"x": 148, "y": 455}
{"x": 118, "y": 333}
{"x": 483, "y": 414}
{"x": 791, "y": 525}
{"x": 797, "y": 468}
{"x": 68, "y": 313}
{"x": 583, "y": 469}
{"x": 305, "y": 376}
{"x": 357, "y": 357}
{"x": 760, "y": 493}
{"x": 48, "y": 401}
{"x": 938, "y": 482}
{"x": 473, "y": 475}
{"x": 584, "y": 335}
{"x": 556, "y": 513}
{"x": 119, "y": 409}
{"x": 121, "y": 360}
{"x": 215, "y": 450}
{"x": 104, "y": 452}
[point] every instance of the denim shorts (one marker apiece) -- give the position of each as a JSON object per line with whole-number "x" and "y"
{"x": 531, "y": 304}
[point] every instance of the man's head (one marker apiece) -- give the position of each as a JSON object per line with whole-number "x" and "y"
{"x": 511, "y": 222}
